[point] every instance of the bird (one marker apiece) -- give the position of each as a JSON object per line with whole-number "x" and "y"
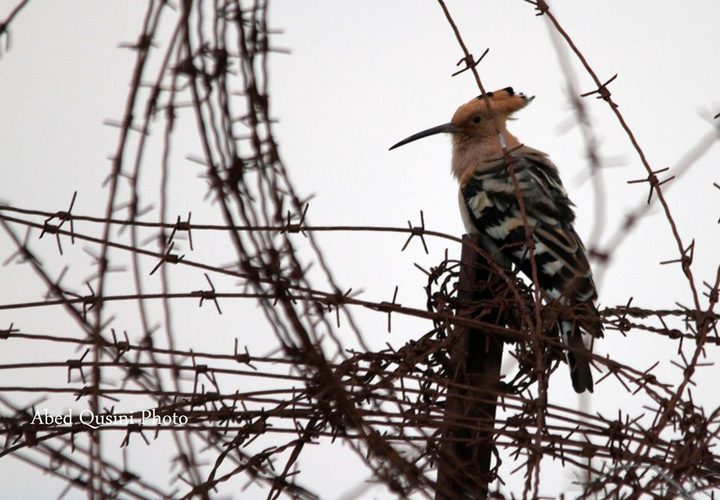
{"x": 485, "y": 158}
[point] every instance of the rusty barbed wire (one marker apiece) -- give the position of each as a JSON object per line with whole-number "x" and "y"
{"x": 248, "y": 414}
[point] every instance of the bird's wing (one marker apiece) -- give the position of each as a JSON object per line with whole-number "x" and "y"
{"x": 491, "y": 196}
{"x": 563, "y": 270}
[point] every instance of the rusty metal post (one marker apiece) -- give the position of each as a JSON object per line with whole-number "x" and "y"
{"x": 465, "y": 454}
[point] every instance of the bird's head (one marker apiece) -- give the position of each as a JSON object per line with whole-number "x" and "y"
{"x": 478, "y": 118}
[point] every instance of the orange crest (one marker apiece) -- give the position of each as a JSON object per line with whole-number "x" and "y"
{"x": 502, "y": 103}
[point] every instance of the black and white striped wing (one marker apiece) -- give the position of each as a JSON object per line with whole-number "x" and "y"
{"x": 492, "y": 205}
{"x": 564, "y": 274}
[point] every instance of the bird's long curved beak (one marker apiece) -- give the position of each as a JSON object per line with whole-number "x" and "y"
{"x": 440, "y": 129}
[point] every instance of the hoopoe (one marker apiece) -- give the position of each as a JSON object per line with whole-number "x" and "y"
{"x": 489, "y": 207}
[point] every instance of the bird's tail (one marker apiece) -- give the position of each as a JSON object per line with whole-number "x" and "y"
{"x": 577, "y": 357}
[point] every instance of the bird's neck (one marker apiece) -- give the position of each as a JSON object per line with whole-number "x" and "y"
{"x": 472, "y": 152}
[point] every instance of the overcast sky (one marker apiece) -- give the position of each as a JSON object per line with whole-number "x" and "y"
{"x": 360, "y": 77}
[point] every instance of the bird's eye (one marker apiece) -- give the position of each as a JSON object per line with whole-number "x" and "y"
{"x": 477, "y": 119}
